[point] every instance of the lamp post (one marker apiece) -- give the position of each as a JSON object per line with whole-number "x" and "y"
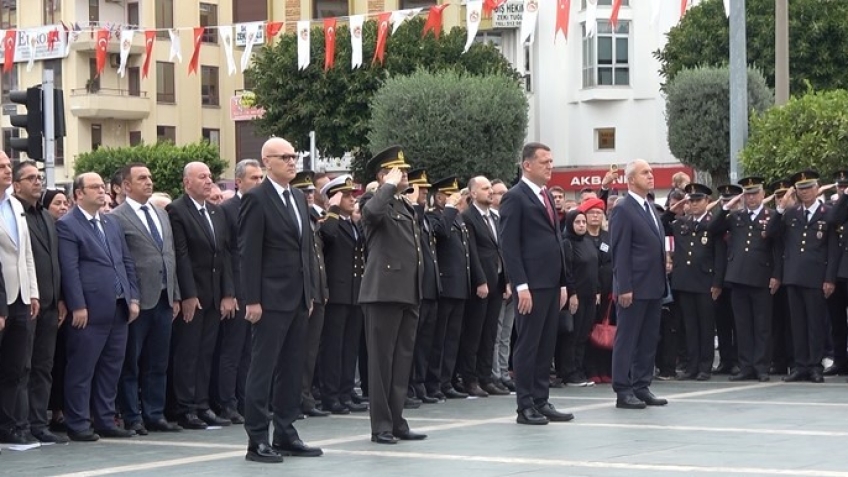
{"x": 781, "y": 53}
{"x": 738, "y": 85}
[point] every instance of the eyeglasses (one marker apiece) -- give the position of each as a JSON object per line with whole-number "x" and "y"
{"x": 32, "y": 178}
{"x": 284, "y": 157}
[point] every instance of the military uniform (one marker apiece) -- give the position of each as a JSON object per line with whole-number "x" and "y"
{"x": 838, "y": 301}
{"x": 728, "y": 344}
{"x": 782, "y": 356}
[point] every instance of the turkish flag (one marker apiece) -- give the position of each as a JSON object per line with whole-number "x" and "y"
{"x": 329, "y": 43}
{"x": 490, "y": 5}
{"x": 52, "y": 38}
{"x": 382, "y": 35}
{"x": 616, "y": 6}
{"x": 563, "y": 12}
{"x": 684, "y": 4}
{"x": 271, "y": 30}
{"x": 195, "y": 57}
{"x": 9, "y": 49}
{"x": 149, "y": 39}
{"x": 102, "y": 44}
{"x": 434, "y": 20}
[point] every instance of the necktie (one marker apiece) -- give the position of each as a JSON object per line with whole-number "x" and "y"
{"x": 119, "y": 290}
{"x": 488, "y": 220}
{"x": 753, "y": 215}
{"x": 548, "y": 205}
{"x": 352, "y": 228}
{"x": 290, "y": 208}
{"x": 651, "y": 215}
{"x": 154, "y": 232}
{"x": 808, "y": 214}
{"x": 207, "y": 222}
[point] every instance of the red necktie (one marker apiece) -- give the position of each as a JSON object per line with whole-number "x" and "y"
{"x": 548, "y": 205}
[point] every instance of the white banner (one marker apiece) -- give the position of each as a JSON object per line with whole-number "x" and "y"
{"x": 356, "y": 41}
{"x": 126, "y": 44}
{"x": 176, "y": 49}
{"x": 473, "y": 14}
{"x": 226, "y": 33}
{"x": 303, "y": 36}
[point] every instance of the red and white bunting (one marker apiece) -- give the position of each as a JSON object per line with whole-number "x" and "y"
{"x": 473, "y": 14}
{"x": 356, "y": 22}
{"x": 303, "y": 42}
{"x": 400, "y": 16}
{"x": 563, "y": 15}
{"x": 126, "y": 44}
{"x": 528, "y": 21}
{"x": 250, "y": 38}
{"x": 591, "y": 17}
{"x": 149, "y": 40}
{"x": 176, "y": 49}
{"x": 226, "y": 33}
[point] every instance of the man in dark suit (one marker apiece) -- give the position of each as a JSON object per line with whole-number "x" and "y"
{"x": 151, "y": 242}
{"x": 205, "y": 276}
{"x": 639, "y": 285}
{"x": 390, "y": 295}
{"x": 27, "y": 182}
{"x": 233, "y": 354}
{"x": 101, "y": 291}
{"x": 480, "y": 328}
{"x": 535, "y": 265}
{"x": 275, "y": 240}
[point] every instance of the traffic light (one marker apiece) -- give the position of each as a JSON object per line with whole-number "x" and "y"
{"x": 32, "y": 121}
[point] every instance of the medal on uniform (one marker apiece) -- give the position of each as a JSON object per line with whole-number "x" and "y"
{"x": 819, "y": 235}
{"x": 704, "y": 240}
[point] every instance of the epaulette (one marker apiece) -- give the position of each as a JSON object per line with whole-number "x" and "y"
{"x": 332, "y": 215}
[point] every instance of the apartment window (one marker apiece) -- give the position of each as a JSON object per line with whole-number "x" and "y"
{"x": 209, "y": 18}
{"x": 93, "y": 84}
{"x": 490, "y": 38}
{"x": 165, "y": 88}
{"x": 56, "y": 66}
{"x": 603, "y": 3}
{"x": 94, "y": 11}
{"x": 50, "y": 8}
{"x": 166, "y": 133}
{"x": 212, "y": 136}
{"x": 404, "y": 4}
{"x": 164, "y": 16}
{"x": 59, "y": 160}
{"x": 135, "y": 138}
{"x": 8, "y": 134}
{"x": 9, "y": 83}
{"x": 8, "y": 15}
{"x": 96, "y": 136}
{"x": 606, "y": 55}
{"x": 134, "y": 81}
{"x": 133, "y": 15}
{"x": 605, "y": 139}
{"x": 250, "y": 11}
{"x": 331, "y": 8}
{"x": 209, "y": 86}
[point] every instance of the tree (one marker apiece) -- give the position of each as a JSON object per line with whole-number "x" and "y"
{"x": 810, "y": 131}
{"x": 452, "y": 123}
{"x": 698, "y": 117}
{"x": 165, "y": 161}
{"x": 818, "y": 41}
{"x": 335, "y": 103}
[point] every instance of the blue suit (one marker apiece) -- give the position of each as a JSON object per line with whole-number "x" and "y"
{"x": 638, "y": 263}
{"x": 95, "y": 353}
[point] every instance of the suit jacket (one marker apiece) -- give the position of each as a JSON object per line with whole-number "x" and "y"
{"x": 530, "y": 243}
{"x": 89, "y": 269}
{"x": 837, "y": 217}
{"x": 638, "y": 251}
{"x": 453, "y": 248}
{"x": 231, "y": 207}
{"x": 45, "y": 253}
{"x": 151, "y": 263}
{"x": 486, "y": 248}
{"x": 431, "y": 287}
{"x": 204, "y": 267}
{"x": 279, "y": 258}
{"x": 344, "y": 256}
{"x": 320, "y": 287}
{"x": 753, "y": 259}
{"x": 699, "y": 256}
{"x": 20, "y": 278}
{"x": 811, "y": 250}
{"x": 394, "y": 269}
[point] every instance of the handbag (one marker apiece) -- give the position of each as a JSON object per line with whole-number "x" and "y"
{"x": 603, "y": 333}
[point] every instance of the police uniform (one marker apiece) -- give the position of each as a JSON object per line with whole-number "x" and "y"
{"x": 782, "y": 355}
{"x": 837, "y": 303}
{"x": 698, "y": 268}
{"x": 728, "y": 346}
{"x": 753, "y": 260}
{"x": 810, "y": 261}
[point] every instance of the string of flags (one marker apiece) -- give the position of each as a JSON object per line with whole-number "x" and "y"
{"x": 253, "y": 33}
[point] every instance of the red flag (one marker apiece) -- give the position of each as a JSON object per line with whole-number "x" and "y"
{"x": 616, "y": 6}
{"x": 563, "y": 12}
{"x": 149, "y": 39}
{"x": 490, "y": 5}
{"x": 102, "y": 44}
{"x": 52, "y": 38}
{"x": 382, "y": 35}
{"x": 195, "y": 57}
{"x": 329, "y": 43}
{"x": 683, "y": 5}
{"x": 271, "y": 30}
{"x": 434, "y": 20}
{"x": 9, "y": 49}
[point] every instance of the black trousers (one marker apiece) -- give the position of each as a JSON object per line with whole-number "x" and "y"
{"x": 477, "y": 338}
{"x": 807, "y": 311}
{"x": 390, "y": 331}
{"x": 752, "y": 309}
{"x": 427, "y": 318}
{"x": 232, "y": 359}
{"x": 276, "y": 371}
{"x": 342, "y": 327}
{"x": 534, "y": 348}
{"x": 192, "y": 352}
{"x": 837, "y": 304}
{"x": 15, "y": 348}
{"x": 782, "y": 353}
{"x": 699, "y": 319}
{"x": 57, "y": 391}
{"x": 726, "y": 328}
{"x": 671, "y": 333}
{"x": 635, "y": 348}
{"x": 315, "y": 329}
{"x": 40, "y": 367}
{"x": 442, "y": 362}
{"x": 571, "y": 354}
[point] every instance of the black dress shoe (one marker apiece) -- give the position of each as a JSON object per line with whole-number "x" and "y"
{"x": 114, "y": 433}
{"x": 358, "y": 398}
{"x": 297, "y": 449}
{"x": 475, "y": 390}
{"x": 411, "y": 403}
{"x": 451, "y": 393}
{"x": 136, "y": 427}
{"x": 162, "y": 426}
{"x": 384, "y": 438}
{"x": 547, "y": 409}
{"x": 232, "y": 415}
{"x": 263, "y": 453}
{"x": 315, "y": 412}
{"x": 191, "y": 421}
{"x": 12, "y": 437}
{"x": 47, "y": 436}
{"x": 58, "y": 425}
{"x": 410, "y": 436}
{"x": 211, "y": 419}
{"x": 648, "y": 398}
{"x": 355, "y": 407}
{"x": 838, "y": 367}
{"x": 428, "y": 399}
{"x": 531, "y": 417}
{"x": 28, "y": 437}
{"x": 747, "y": 376}
{"x": 723, "y": 368}
{"x": 687, "y": 376}
{"x": 816, "y": 376}
{"x": 795, "y": 376}
{"x": 83, "y": 436}
{"x": 629, "y": 402}
{"x": 703, "y": 377}
{"x": 439, "y": 395}
{"x": 509, "y": 384}
{"x": 763, "y": 378}
{"x": 494, "y": 390}
{"x": 778, "y": 369}
{"x": 336, "y": 408}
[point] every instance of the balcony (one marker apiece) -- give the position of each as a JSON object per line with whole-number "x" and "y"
{"x": 87, "y": 43}
{"x": 105, "y": 103}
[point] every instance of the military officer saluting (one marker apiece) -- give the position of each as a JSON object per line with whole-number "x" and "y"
{"x": 725, "y": 322}
{"x": 839, "y": 300}
{"x": 698, "y": 270}
{"x": 811, "y": 254}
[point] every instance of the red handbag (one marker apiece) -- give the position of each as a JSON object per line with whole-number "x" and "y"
{"x": 603, "y": 333}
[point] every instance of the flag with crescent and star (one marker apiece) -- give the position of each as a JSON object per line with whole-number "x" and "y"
{"x": 9, "y": 39}
{"x": 149, "y": 40}
{"x": 195, "y": 57}
{"x": 329, "y": 43}
{"x": 102, "y": 45}
{"x": 434, "y": 20}
{"x": 382, "y": 37}
{"x": 562, "y": 17}
{"x": 272, "y": 29}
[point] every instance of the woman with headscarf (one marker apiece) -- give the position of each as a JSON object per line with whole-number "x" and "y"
{"x": 598, "y": 362}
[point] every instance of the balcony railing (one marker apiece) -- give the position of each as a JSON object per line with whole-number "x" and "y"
{"x": 108, "y": 92}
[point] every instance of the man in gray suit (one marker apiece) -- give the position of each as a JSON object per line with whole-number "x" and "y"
{"x": 151, "y": 244}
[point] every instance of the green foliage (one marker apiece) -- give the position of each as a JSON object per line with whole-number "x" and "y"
{"x": 698, "y": 116}
{"x": 811, "y": 131}
{"x": 335, "y": 103}
{"x": 818, "y": 41}
{"x": 452, "y": 124}
{"x": 165, "y": 161}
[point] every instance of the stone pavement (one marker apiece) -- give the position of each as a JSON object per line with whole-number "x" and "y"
{"x": 710, "y": 428}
